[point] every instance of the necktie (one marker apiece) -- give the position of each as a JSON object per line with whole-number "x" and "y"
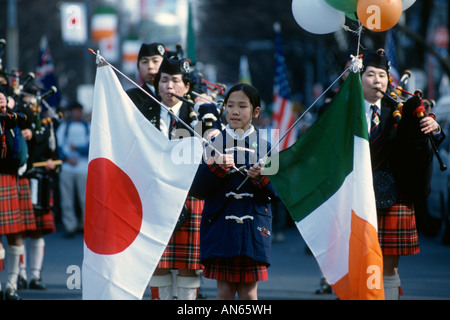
{"x": 172, "y": 120}
{"x": 375, "y": 139}
{"x": 374, "y": 124}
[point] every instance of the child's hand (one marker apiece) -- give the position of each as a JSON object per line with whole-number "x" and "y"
{"x": 255, "y": 171}
{"x": 225, "y": 160}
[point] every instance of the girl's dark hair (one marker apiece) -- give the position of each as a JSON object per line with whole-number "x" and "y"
{"x": 250, "y": 91}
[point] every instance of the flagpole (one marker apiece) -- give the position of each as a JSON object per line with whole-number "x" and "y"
{"x": 103, "y": 60}
{"x": 306, "y": 111}
{"x": 263, "y": 159}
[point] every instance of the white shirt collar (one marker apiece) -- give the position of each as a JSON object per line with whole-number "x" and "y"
{"x": 176, "y": 108}
{"x": 235, "y": 136}
{"x": 367, "y": 105}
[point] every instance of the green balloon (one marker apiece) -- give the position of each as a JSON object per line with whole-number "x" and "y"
{"x": 351, "y": 15}
{"x": 343, "y": 5}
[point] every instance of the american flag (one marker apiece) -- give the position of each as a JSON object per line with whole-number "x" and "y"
{"x": 45, "y": 73}
{"x": 283, "y": 114}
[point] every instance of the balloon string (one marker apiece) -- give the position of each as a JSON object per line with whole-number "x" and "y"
{"x": 359, "y": 38}
{"x": 357, "y": 32}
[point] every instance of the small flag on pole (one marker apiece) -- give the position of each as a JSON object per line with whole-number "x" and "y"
{"x": 45, "y": 73}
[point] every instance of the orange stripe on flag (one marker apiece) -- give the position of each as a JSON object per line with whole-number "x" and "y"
{"x": 364, "y": 280}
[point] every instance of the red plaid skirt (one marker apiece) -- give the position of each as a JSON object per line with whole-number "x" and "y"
{"x": 10, "y": 217}
{"x": 236, "y": 269}
{"x": 183, "y": 249}
{"x": 397, "y": 231}
{"x": 25, "y": 205}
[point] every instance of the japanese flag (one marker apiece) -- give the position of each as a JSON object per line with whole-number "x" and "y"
{"x": 137, "y": 183}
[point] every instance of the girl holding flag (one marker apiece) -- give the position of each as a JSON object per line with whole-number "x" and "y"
{"x": 235, "y": 232}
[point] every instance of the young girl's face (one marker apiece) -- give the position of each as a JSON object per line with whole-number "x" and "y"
{"x": 240, "y": 112}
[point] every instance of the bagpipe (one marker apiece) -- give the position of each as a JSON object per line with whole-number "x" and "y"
{"x": 414, "y": 107}
{"x": 413, "y": 150}
{"x": 30, "y": 99}
{"x": 25, "y": 90}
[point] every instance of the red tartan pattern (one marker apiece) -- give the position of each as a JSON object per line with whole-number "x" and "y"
{"x": 25, "y": 205}
{"x": 217, "y": 169}
{"x": 10, "y": 217}
{"x": 261, "y": 182}
{"x": 45, "y": 222}
{"x": 237, "y": 269}
{"x": 183, "y": 249}
{"x": 397, "y": 231}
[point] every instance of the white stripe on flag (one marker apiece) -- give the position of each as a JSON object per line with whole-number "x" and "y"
{"x": 329, "y": 242}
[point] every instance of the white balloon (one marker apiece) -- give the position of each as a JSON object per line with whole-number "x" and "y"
{"x": 317, "y": 16}
{"x": 407, "y": 3}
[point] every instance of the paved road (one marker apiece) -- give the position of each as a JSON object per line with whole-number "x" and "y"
{"x": 294, "y": 274}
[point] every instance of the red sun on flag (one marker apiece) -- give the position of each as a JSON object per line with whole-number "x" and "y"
{"x": 113, "y": 215}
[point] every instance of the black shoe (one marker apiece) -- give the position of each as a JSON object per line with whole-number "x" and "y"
{"x": 324, "y": 287}
{"x": 21, "y": 283}
{"x": 11, "y": 294}
{"x": 36, "y": 284}
{"x": 2, "y": 297}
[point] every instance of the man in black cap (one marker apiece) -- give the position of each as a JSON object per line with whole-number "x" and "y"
{"x": 401, "y": 160}
{"x": 172, "y": 81}
{"x": 149, "y": 60}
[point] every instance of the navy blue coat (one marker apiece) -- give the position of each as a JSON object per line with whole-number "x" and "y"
{"x": 221, "y": 234}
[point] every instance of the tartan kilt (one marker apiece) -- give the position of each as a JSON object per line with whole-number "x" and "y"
{"x": 236, "y": 269}
{"x": 26, "y": 205}
{"x": 10, "y": 217}
{"x": 397, "y": 231}
{"x": 183, "y": 249}
{"x": 45, "y": 222}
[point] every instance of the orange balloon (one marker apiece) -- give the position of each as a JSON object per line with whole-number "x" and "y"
{"x": 379, "y": 15}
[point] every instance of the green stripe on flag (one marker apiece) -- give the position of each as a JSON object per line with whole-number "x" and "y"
{"x": 314, "y": 168}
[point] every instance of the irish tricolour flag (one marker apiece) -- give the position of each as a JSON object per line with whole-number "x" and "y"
{"x": 325, "y": 181}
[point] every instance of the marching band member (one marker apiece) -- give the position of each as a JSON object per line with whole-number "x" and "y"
{"x": 150, "y": 58}
{"x": 183, "y": 250}
{"x": 42, "y": 147}
{"x": 236, "y": 224}
{"x": 392, "y": 150}
{"x": 12, "y": 222}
